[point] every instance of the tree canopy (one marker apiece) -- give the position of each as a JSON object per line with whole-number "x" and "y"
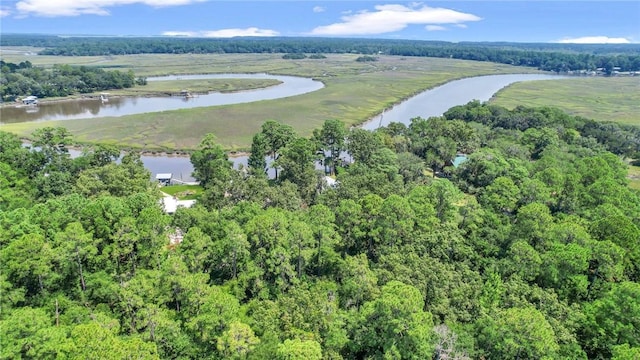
{"x": 528, "y": 249}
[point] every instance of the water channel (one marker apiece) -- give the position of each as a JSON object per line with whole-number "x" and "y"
{"x": 429, "y": 103}
{"x": 438, "y": 100}
{"x": 120, "y": 106}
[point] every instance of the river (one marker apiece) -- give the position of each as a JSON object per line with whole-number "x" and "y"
{"x": 438, "y": 100}
{"x": 120, "y": 106}
{"x": 429, "y": 103}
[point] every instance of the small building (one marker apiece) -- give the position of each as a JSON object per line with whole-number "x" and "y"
{"x": 30, "y": 100}
{"x": 164, "y": 179}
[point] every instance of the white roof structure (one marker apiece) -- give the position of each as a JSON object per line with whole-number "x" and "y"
{"x": 164, "y": 176}
{"x": 331, "y": 182}
{"x": 171, "y": 204}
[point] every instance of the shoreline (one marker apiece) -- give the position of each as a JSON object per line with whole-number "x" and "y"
{"x": 232, "y": 154}
{"x": 142, "y": 94}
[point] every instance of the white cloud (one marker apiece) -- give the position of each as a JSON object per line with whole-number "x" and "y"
{"x": 180, "y": 33}
{"x": 54, "y": 8}
{"x": 224, "y": 33}
{"x": 594, "y": 40}
{"x": 4, "y": 12}
{"x": 435, "y": 28}
{"x": 462, "y": 26}
{"x": 318, "y": 9}
{"x": 393, "y": 17}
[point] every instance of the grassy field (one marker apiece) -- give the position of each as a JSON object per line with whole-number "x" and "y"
{"x": 353, "y": 92}
{"x": 605, "y": 99}
{"x": 203, "y": 86}
{"x": 183, "y": 192}
{"x": 634, "y": 177}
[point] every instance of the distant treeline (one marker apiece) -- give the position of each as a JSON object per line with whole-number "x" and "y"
{"x": 551, "y": 57}
{"x": 62, "y": 80}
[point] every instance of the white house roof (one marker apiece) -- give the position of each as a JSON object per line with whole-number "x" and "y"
{"x": 171, "y": 204}
{"x": 330, "y": 181}
{"x": 164, "y": 176}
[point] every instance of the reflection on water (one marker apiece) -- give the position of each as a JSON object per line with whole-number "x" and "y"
{"x": 76, "y": 109}
{"x": 119, "y": 106}
{"x": 437, "y": 101}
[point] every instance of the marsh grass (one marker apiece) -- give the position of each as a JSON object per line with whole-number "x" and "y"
{"x": 354, "y": 92}
{"x": 604, "y": 99}
{"x": 202, "y": 86}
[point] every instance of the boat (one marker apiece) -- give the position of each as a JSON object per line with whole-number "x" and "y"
{"x": 30, "y": 100}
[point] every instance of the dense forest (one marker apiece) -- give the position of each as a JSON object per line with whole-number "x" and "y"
{"x": 551, "y": 57}
{"x": 529, "y": 249}
{"x": 24, "y": 79}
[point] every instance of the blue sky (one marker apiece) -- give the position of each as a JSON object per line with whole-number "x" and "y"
{"x": 517, "y": 21}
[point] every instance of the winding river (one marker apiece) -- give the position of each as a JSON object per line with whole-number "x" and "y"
{"x": 438, "y": 100}
{"x": 429, "y": 103}
{"x": 120, "y": 106}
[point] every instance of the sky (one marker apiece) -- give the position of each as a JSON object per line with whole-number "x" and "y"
{"x": 513, "y": 21}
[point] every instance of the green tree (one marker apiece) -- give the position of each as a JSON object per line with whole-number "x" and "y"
{"x": 259, "y": 146}
{"x": 327, "y": 240}
{"x": 394, "y": 323}
{"x": 229, "y": 254}
{"x": 113, "y": 179}
{"x": 612, "y": 320}
{"x": 624, "y": 352}
{"x": 411, "y": 167}
{"x": 76, "y": 247}
{"x": 362, "y": 144}
{"x": 532, "y": 222}
{"x": 196, "y": 251}
{"x": 269, "y": 237}
{"x": 298, "y": 349}
{"x": 17, "y": 191}
{"x": 297, "y": 164}
{"x": 565, "y": 269}
{"x": 301, "y": 244}
{"x": 620, "y": 230}
{"x": 523, "y": 260}
{"x": 237, "y": 342}
{"x": 358, "y": 282}
{"x": 28, "y": 262}
{"x": 28, "y": 333}
{"x": 394, "y": 225}
{"x": 331, "y": 138}
{"x": 276, "y": 136}
{"x": 95, "y": 341}
{"x": 517, "y": 333}
{"x": 501, "y": 196}
{"x": 210, "y": 163}
{"x": 211, "y": 315}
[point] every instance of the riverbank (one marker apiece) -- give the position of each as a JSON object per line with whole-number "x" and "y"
{"x": 175, "y": 88}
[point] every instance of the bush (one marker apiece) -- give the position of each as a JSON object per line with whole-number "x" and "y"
{"x": 366, "y": 58}
{"x": 294, "y": 56}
